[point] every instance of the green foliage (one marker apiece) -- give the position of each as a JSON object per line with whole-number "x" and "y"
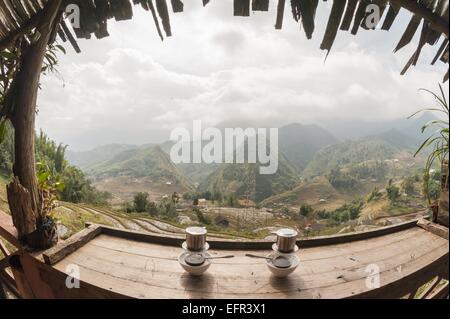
{"x": 167, "y": 209}
{"x": 78, "y": 188}
{"x": 202, "y": 218}
{"x": 350, "y": 153}
{"x": 244, "y": 181}
{"x": 437, "y": 141}
{"x": 231, "y": 201}
{"x": 347, "y": 212}
{"x": 10, "y": 62}
{"x": 323, "y": 214}
{"x": 432, "y": 186}
{"x": 342, "y": 180}
{"x": 151, "y": 162}
{"x": 306, "y": 210}
{"x": 408, "y": 185}
{"x": 49, "y": 186}
{"x": 127, "y": 207}
{"x": 378, "y": 171}
{"x": 140, "y": 202}
{"x": 393, "y": 192}
{"x": 152, "y": 209}
{"x": 433, "y": 190}
{"x": 285, "y": 211}
{"x": 6, "y": 150}
{"x": 47, "y": 150}
{"x": 374, "y": 195}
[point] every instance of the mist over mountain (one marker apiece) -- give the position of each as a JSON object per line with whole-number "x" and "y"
{"x": 97, "y": 155}
{"x": 305, "y": 150}
{"x": 351, "y": 129}
{"x": 299, "y": 143}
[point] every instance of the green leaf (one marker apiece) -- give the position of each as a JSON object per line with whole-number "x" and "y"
{"x": 60, "y": 48}
{"x": 8, "y": 55}
{"x": 2, "y": 130}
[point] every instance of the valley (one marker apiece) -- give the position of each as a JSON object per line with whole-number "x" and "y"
{"x": 324, "y": 185}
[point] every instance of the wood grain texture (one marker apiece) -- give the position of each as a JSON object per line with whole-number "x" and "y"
{"x": 234, "y": 244}
{"x": 141, "y": 269}
{"x": 57, "y": 253}
{"x": 8, "y": 231}
{"x": 436, "y": 229}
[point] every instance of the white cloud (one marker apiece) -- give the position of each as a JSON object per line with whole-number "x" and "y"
{"x": 131, "y": 88}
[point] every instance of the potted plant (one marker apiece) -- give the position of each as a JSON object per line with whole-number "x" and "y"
{"x": 46, "y": 234}
{"x": 436, "y": 144}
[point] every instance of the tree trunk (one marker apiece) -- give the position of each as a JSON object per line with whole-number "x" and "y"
{"x": 23, "y": 192}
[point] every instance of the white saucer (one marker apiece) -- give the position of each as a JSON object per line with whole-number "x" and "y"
{"x": 194, "y": 270}
{"x": 184, "y": 246}
{"x": 275, "y": 248}
{"x": 282, "y": 272}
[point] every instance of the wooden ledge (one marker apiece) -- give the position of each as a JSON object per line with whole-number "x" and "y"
{"x": 247, "y": 244}
{"x": 434, "y": 228}
{"x": 60, "y": 251}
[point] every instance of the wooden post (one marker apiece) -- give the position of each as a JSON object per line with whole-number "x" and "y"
{"x": 23, "y": 192}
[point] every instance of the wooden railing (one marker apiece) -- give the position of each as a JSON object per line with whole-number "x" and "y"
{"x": 30, "y": 277}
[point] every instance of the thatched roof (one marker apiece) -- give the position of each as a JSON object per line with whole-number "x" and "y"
{"x": 19, "y": 17}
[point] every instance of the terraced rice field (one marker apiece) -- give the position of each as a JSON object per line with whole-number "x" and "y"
{"x": 105, "y": 216}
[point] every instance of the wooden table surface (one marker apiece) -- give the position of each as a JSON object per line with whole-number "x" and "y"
{"x": 147, "y": 270}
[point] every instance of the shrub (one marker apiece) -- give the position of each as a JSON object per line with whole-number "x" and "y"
{"x": 152, "y": 209}
{"x": 393, "y": 192}
{"x": 202, "y": 218}
{"x": 128, "y": 207}
{"x": 323, "y": 214}
{"x": 140, "y": 202}
{"x": 408, "y": 185}
{"x": 306, "y": 210}
{"x": 374, "y": 195}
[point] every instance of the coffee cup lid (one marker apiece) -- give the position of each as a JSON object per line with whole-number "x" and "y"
{"x": 196, "y": 230}
{"x": 287, "y": 232}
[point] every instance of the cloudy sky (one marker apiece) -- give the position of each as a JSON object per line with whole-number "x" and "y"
{"x": 132, "y": 88}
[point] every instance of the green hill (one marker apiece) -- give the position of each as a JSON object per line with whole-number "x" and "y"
{"x": 244, "y": 180}
{"x": 349, "y": 152}
{"x": 151, "y": 162}
{"x": 318, "y": 193}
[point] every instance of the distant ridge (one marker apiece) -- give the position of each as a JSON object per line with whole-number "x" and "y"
{"x": 299, "y": 143}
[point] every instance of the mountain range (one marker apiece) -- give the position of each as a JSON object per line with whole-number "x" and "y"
{"x": 304, "y": 151}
